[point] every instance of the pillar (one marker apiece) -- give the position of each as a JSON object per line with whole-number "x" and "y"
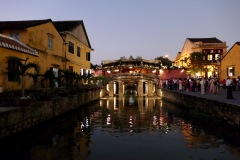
{"x": 111, "y": 89}
{"x": 120, "y": 88}
{"x": 140, "y": 87}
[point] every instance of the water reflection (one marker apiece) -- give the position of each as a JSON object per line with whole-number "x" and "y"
{"x": 114, "y": 128}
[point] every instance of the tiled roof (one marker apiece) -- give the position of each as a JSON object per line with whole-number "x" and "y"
{"x": 66, "y": 25}
{"x": 11, "y": 43}
{"x": 205, "y": 40}
{"x": 62, "y": 26}
{"x": 238, "y": 43}
{"x": 21, "y": 24}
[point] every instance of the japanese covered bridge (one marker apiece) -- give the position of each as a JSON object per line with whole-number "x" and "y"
{"x": 131, "y": 76}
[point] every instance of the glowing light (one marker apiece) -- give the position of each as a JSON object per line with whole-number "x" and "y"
{"x": 109, "y": 119}
{"x": 161, "y": 71}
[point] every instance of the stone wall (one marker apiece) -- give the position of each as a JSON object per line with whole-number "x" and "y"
{"x": 228, "y": 113}
{"x": 21, "y": 118}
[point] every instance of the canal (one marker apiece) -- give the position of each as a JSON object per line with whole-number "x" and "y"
{"x": 127, "y": 128}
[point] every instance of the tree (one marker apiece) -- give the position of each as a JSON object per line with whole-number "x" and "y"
{"x": 197, "y": 62}
{"x": 48, "y": 77}
{"x": 165, "y": 62}
{"x": 21, "y": 70}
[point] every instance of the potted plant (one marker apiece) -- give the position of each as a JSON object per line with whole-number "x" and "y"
{"x": 20, "y": 72}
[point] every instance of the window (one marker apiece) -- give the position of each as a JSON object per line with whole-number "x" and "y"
{"x": 217, "y": 57}
{"x": 70, "y": 68}
{"x": 13, "y": 66}
{"x": 88, "y": 56}
{"x": 70, "y": 47}
{"x": 209, "y": 57}
{"x": 78, "y": 51}
{"x": 55, "y": 82}
{"x": 50, "y": 43}
{"x": 231, "y": 71}
{"x": 15, "y": 35}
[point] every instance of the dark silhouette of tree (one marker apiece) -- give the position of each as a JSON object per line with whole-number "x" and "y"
{"x": 165, "y": 62}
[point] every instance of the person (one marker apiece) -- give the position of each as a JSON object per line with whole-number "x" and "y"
{"x": 202, "y": 83}
{"x": 229, "y": 88}
{"x": 180, "y": 86}
{"x": 234, "y": 84}
{"x": 224, "y": 84}
{"x": 211, "y": 89}
{"x": 215, "y": 88}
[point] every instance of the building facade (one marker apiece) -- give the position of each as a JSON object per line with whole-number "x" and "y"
{"x": 77, "y": 45}
{"x": 10, "y": 47}
{"x": 213, "y": 49}
{"x": 230, "y": 66}
{"x": 58, "y": 47}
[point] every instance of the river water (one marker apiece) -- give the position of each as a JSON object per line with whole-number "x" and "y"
{"x": 127, "y": 128}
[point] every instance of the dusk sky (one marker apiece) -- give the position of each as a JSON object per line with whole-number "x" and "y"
{"x": 146, "y": 28}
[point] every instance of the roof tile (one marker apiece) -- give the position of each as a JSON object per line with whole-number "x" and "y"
{"x": 11, "y": 43}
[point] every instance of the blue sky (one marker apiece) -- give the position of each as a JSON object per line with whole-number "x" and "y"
{"x": 146, "y": 28}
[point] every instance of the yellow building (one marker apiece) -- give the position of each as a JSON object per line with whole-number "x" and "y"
{"x": 230, "y": 63}
{"x": 77, "y": 46}
{"x": 62, "y": 45}
{"x": 212, "y": 47}
{"x": 10, "y": 47}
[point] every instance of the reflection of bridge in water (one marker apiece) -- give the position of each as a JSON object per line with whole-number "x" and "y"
{"x": 142, "y": 103}
{"x": 131, "y": 76}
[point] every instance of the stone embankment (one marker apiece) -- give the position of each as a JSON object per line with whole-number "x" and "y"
{"x": 218, "y": 106}
{"x": 16, "y": 119}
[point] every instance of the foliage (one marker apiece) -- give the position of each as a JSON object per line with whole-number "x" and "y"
{"x": 165, "y": 62}
{"x": 68, "y": 77}
{"x": 196, "y": 62}
{"x": 48, "y": 77}
{"x": 100, "y": 79}
{"x": 23, "y": 66}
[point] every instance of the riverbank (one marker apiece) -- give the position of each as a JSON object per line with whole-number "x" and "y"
{"x": 218, "y": 106}
{"x": 16, "y": 119}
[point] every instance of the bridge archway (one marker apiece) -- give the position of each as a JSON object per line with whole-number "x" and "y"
{"x": 137, "y": 85}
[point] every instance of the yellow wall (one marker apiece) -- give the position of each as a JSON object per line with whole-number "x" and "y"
{"x": 3, "y": 76}
{"x": 190, "y": 47}
{"x": 77, "y": 62}
{"x": 231, "y": 59}
{"x": 37, "y": 38}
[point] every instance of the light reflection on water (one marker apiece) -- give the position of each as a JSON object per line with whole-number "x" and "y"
{"x": 124, "y": 128}
{"x": 156, "y": 130}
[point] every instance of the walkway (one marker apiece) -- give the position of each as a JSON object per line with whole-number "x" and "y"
{"x": 221, "y": 96}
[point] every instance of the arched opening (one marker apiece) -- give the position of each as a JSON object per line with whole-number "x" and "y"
{"x": 131, "y": 89}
